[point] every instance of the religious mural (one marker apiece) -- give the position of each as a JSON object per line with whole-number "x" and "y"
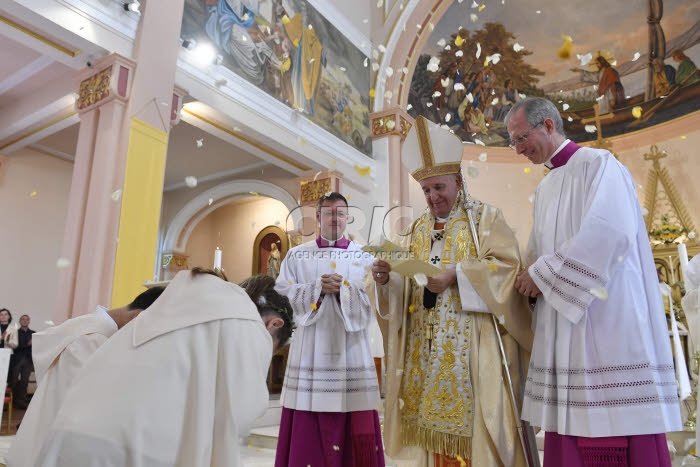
{"x": 635, "y": 61}
{"x": 290, "y": 51}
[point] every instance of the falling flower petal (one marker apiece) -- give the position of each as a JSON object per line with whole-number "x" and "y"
{"x": 459, "y": 87}
{"x": 517, "y": 47}
{"x": 483, "y": 157}
{"x": 564, "y": 51}
{"x": 336, "y": 448}
{"x": 478, "y": 50}
{"x": 366, "y": 62}
{"x": 429, "y": 104}
{"x": 531, "y": 198}
{"x": 434, "y": 64}
{"x": 333, "y": 264}
{"x": 599, "y": 292}
{"x": 459, "y": 40}
{"x": 390, "y": 125}
{"x": 441, "y": 43}
{"x": 421, "y": 279}
{"x": 565, "y": 106}
{"x": 211, "y": 200}
{"x": 33, "y": 194}
{"x": 481, "y": 7}
{"x": 411, "y": 308}
{"x": 479, "y": 142}
{"x": 571, "y": 119}
{"x": 372, "y": 92}
{"x": 645, "y": 212}
{"x": 462, "y": 462}
{"x": 502, "y": 318}
{"x": 389, "y": 71}
{"x": 116, "y": 194}
{"x": 313, "y": 307}
{"x": 636, "y": 56}
{"x": 590, "y": 128}
{"x": 470, "y": 98}
{"x": 637, "y": 112}
{"x": 400, "y": 406}
{"x": 388, "y": 94}
{"x": 448, "y": 117}
{"x": 526, "y": 170}
{"x": 584, "y": 59}
{"x": 494, "y": 101}
{"x": 459, "y": 53}
{"x": 474, "y": 18}
{"x": 691, "y": 235}
{"x": 254, "y": 193}
{"x": 62, "y": 263}
{"x": 375, "y": 66}
{"x": 191, "y": 181}
{"x": 473, "y": 172}
{"x": 437, "y": 94}
{"x": 475, "y": 5}
{"x": 409, "y": 107}
{"x": 364, "y": 171}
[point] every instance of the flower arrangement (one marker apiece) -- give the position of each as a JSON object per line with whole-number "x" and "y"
{"x": 667, "y": 233}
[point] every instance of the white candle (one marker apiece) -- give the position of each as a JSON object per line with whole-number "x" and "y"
{"x": 217, "y": 258}
{"x": 683, "y": 257}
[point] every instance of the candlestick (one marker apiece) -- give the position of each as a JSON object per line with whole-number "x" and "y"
{"x": 683, "y": 257}
{"x": 673, "y": 274}
{"x": 217, "y": 258}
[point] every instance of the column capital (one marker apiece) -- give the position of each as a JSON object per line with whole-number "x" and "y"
{"x": 313, "y": 186}
{"x": 178, "y": 96}
{"x": 173, "y": 262}
{"x": 107, "y": 79}
{"x": 390, "y": 122}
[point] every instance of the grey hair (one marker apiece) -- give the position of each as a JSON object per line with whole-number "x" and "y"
{"x": 537, "y": 110}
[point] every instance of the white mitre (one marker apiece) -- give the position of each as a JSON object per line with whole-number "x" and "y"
{"x": 430, "y": 150}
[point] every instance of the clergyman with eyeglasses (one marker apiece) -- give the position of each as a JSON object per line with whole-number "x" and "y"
{"x": 601, "y": 380}
{"x": 330, "y": 392}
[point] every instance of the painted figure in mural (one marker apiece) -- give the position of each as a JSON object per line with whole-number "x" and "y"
{"x": 330, "y": 392}
{"x": 611, "y": 93}
{"x": 601, "y": 381}
{"x": 687, "y": 72}
{"x": 232, "y": 27}
{"x": 508, "y": 99}
{"x": 444, "y": 390}
{"x": 273, "y": 262}
{"x": 472, "y": 117}
{"x": 664, "y": 77}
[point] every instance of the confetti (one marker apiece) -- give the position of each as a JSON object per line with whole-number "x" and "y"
{"x": 211, "y": 200}
{"x": 459, "y": 40}
{"x": 191, "y": 181}
{"x": 493, "y": 267}
{"x": 483, "y": 156}
{"x": 565, "y": 106}
{"x": 526, "y": 170}
{"x": 636, "y": 56}
{"x": 599, "y": 292}
{"x": 421, "y": 279}
{"x": 200, "y": 143}
{"x": 411, "y": 308}
{"x": 363, "y": 171}
{"x": 116, "y": 194}
{"x": 637, "y": 112}
{"x": 564, "y": 51}
{"x": 62, "y": 263}
{"x": 434, "y": 64}
{"x": 584, "y": 59}
{"x": 517, "y": 47}
{"x": 590, "y": 128}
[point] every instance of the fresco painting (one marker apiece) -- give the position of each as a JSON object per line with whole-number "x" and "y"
{"x": 290, "y": 51}
{"x": 635, "y": 61}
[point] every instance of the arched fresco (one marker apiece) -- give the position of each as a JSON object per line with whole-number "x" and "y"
{"x": 483, "y": 56}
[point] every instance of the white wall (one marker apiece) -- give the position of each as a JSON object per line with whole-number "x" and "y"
{"x": 31, "y": 232}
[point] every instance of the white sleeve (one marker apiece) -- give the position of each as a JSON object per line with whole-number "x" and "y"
{"x": 471, "y": 301}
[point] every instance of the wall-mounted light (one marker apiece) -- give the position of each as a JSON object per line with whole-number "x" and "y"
{"x": 132, "y": 5}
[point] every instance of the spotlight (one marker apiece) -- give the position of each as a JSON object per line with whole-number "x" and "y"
{"x": 132, "y": 5}
{"x": 204, "y": 54}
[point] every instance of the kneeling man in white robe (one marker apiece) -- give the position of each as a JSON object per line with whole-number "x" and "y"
{"x": 59, "y": 354}
{"x": 179, "y": 384}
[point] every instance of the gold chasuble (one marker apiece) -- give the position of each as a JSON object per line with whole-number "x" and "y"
{"x": 310, "y": 62}
{"x": 445, "y": 391}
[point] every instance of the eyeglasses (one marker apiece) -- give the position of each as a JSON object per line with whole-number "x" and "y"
{"x": 523, "y": 138}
